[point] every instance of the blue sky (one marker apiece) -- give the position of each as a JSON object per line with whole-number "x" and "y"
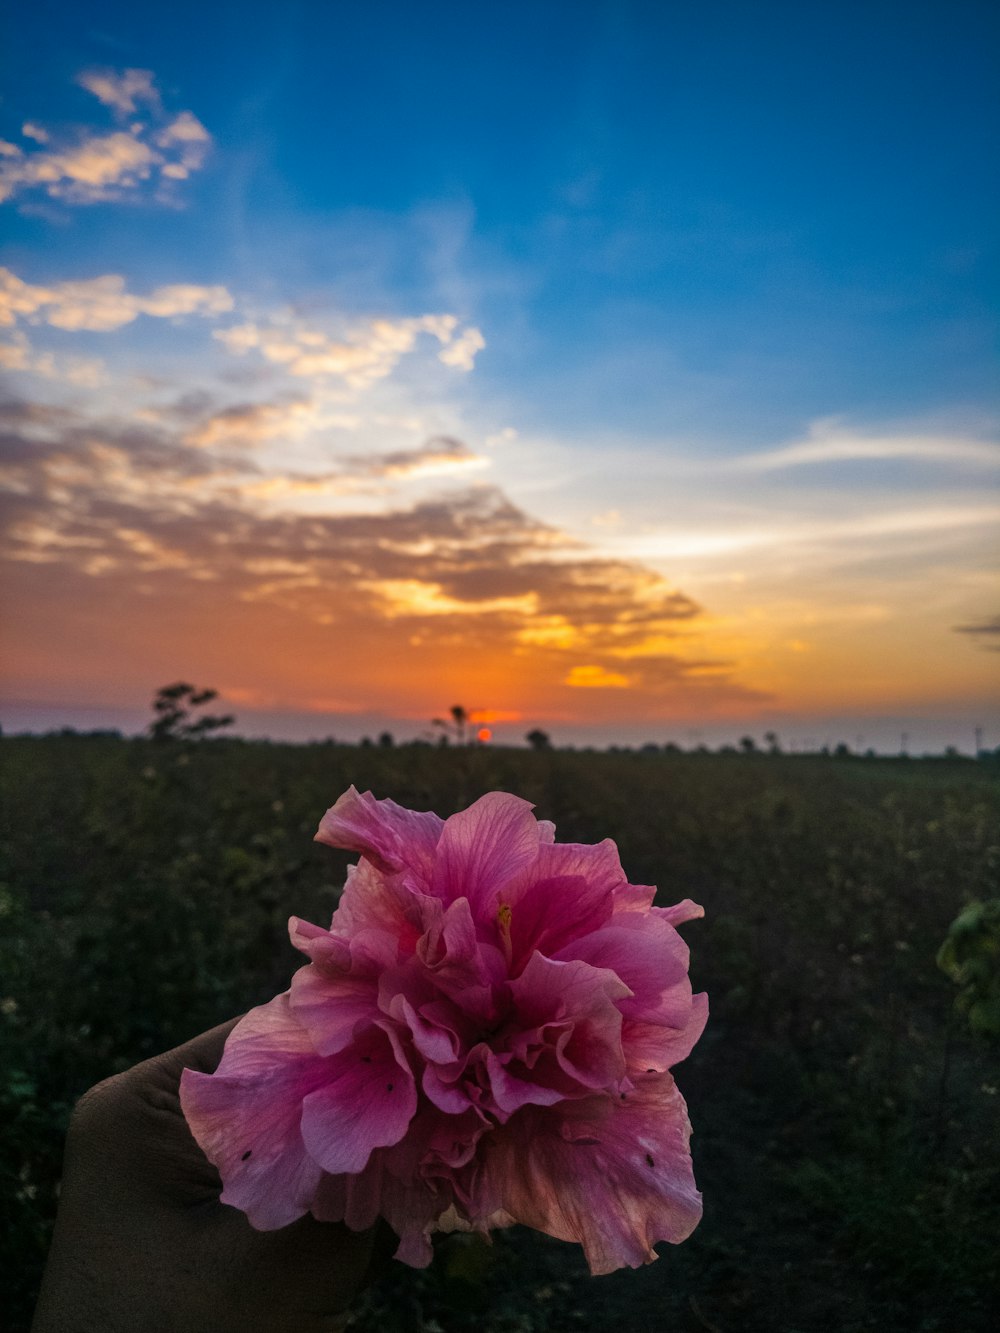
{"x": 722, "y": 290}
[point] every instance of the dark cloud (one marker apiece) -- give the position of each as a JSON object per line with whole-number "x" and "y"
{"x": 983, "y": 633}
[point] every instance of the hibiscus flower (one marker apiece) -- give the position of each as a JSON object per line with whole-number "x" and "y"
{"x": 482, "y": 1036}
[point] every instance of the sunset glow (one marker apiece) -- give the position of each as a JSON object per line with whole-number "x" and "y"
{"x": 658, "y": 407}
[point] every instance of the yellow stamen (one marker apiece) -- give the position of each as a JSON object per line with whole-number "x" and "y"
{"x": 504, "y": 914}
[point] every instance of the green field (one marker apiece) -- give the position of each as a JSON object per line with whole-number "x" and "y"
{"x": 846, "y": 1123}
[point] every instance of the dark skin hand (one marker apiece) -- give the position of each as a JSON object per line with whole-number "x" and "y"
{"x": 142, "y": 1241}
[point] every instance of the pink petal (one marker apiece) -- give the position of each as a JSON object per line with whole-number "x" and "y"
{"x": 366, "y": 1101}
{"x": 568, "y": 1026}
{"x": 680, "y": 912}
{"x": 566, "y": 892}
{"x": 511, "y": 1092}
{"x": 449, "y": 950}
{"x": 380, "y": 908}
{"x": 437, "y": 1041}
{"x": 616, "y": 1177}
{"x": 330, "y": 1007}
{"x": 245, "y": 1116}
{"x": 355, "y": 1200}
{"x": 483, "y": 848}
{"x": 655, "y": 1047}
{"x": 650, "y": 958}
{"x": 326, "y": 950}
{"x": 388, "y": 835}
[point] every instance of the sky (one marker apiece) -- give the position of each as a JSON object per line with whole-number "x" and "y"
{"x": 626, "y": 370}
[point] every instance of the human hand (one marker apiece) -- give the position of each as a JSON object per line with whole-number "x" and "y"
{"x": 142, "y": 1241}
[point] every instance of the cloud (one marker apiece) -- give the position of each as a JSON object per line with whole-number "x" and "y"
{"x": 596, "y": 678}
{"x": 246, "y": 425}
{"x": 808, "y": 533}
{"x": 830, "y": 443}
{"x": 88, "y": 166}
{"x": 358, "y": 354}
{"x": 468, "y": 572}
{"x": 188, "y": 135}
{"x": 439, "y": 454}
{"x": 122, "y": 92}
{"x": 103, "y": 304}
{"x": 17, "y": 354}
{"x": 461, "y": 352}
{"x": 983, "y": 633}
{"x": 98, "y": 167}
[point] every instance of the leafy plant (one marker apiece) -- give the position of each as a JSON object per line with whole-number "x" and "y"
{"x": 970, "y": 955}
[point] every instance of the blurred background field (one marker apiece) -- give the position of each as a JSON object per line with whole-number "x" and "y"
{"x": 845, "y": 1118}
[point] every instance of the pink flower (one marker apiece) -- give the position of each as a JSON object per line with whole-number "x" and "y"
{"x": 481, "y": 1037}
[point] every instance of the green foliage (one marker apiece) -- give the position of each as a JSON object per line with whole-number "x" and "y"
{"x": 144, "y": 896}
{"x": 970, "y": 955}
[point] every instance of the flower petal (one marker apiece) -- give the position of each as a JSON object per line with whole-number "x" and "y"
{"x": 655, "y": 1047}
{"x": 680, "y": 912}
{"x": 330, "y": 1007}
{"x": 391, "y": 837}
{"x": 483, "y": 848}
{"x": 650, "y": 958}
{"x": 245, "y": 1117}
{"x": 568, "y": 1027}
{"x": 366, "y": 1101}
{"x": 566, "y": 892}
{"x": 616, "y": 1177}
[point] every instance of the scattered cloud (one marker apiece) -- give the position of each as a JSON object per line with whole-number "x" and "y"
{"x": 188, "y": 136}
{"x": 985, "y": 632}
{"x": 17, "y": 354}
{"x": 89, "y": 166}
{"x": 806, "y": 533}
{"x": 102, "y": 304}
{"x": 828, "y": 442}
{"x": 439, "y": 454}
{"x": 246, "y": 425}
{"x": 596, "y": 678}
{"x": 124, "y": 92}
{"x": 461, "y": 351}
{"x": 358, "y": 354}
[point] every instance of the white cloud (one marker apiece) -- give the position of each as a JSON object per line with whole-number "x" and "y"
{"x": 122, "y": 92}
{"x": 98, "y": 167}
{"x": 91, "y": 166}
{"x": 702, "y": 542}
{"x": 829, "y": 443}
{"x": 188, "y": 135}
{"x": 102, "y": 304}
{"x": 359, "y": 355}
{"x": 461, "y": 351}
{"x": 17, "y": 354}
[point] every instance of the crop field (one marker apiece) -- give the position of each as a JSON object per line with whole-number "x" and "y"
{"x": 846, "y": 1121}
